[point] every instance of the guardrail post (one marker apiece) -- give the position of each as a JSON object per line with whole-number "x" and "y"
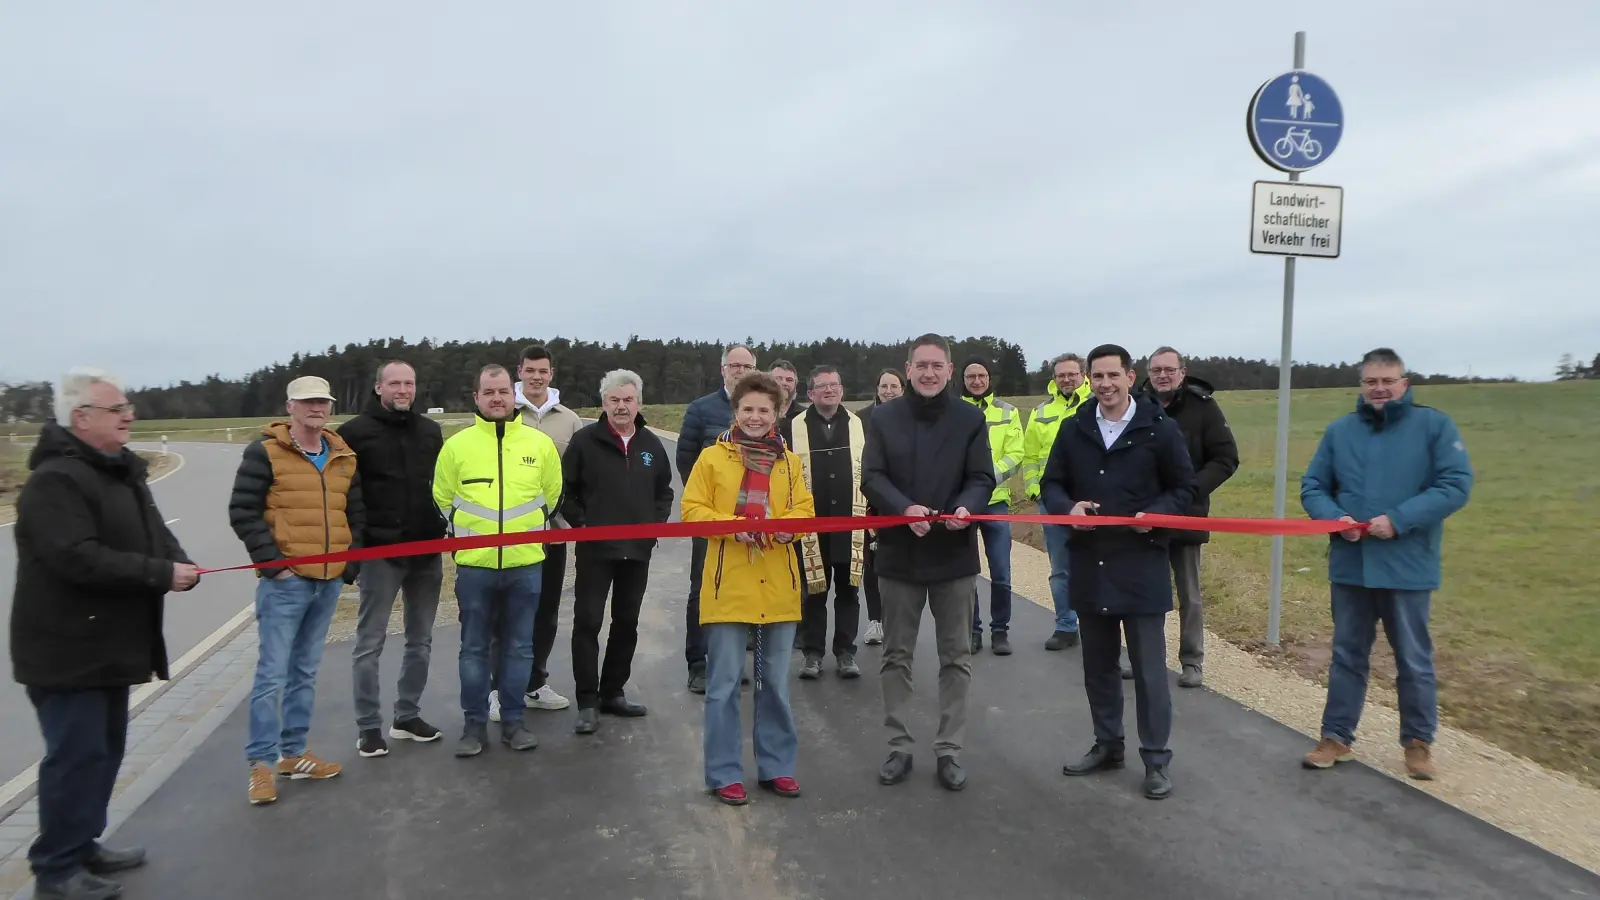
{"x": 230, "y": 435}
{"x": 163, "y": 446}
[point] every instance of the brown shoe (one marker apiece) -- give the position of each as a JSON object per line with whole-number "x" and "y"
{"x": 306, "y": 766}
{"x": 1419, "y": 760}
{"x": 1328, "y": 752}
{"x": 263, "y": 784}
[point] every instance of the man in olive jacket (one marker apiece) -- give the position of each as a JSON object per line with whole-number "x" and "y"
{"x": 1121, "y": 456}
{"x": 94, "y": 561}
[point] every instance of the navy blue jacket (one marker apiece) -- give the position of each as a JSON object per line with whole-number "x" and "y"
{"x": 705, "y": 418}
{"x": 1406, "y": 462}
{"x": 1114, "y": 570}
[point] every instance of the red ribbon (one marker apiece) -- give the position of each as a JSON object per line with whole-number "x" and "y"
{"x": 818, "y": 525}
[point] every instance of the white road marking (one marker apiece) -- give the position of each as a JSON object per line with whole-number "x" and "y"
{"x": 169, "y": 521}
{"x": 169, "y": 472}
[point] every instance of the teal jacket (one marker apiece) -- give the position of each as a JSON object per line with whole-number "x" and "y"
{"x": 1406, "y": 462}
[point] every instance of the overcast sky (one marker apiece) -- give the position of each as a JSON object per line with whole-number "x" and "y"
{"x": 188, "y": 188}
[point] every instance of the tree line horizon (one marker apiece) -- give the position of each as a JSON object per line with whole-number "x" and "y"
{"x": 674, "y": 371}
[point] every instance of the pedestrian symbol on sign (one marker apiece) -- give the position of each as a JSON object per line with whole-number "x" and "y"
{"x": 1303, "y": 131}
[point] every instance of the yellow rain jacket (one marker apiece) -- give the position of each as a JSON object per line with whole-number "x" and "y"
{"x": 497, "y": 478}
{"x": 1043, "y": 423}
{"x": 1005, "y": 442}
{"x": 742, "y": 582}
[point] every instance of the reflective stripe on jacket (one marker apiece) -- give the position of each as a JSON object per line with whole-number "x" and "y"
{"x": 498, "y": 478}
{"x": 1043, "y": 424}
{"x": 1005, "y": 442}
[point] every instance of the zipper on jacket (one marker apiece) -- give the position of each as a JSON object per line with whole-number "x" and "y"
{"x": 716, "y": 584}
{"x": 327, "y": 523}
{"x": 500, "y": 507}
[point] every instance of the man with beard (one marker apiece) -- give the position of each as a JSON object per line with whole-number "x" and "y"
{"x": 1215, "y": 457}
{"x": 396, "y": 450}
{"x": 927, "y": 454}
{"x": 497, "y": 476}
{"x": 829, "y": 440}
{"x": 1005, "y": 445}
{"x": 1121, "y": 456}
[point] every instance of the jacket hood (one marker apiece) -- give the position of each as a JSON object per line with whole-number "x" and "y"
{"x": 56, "y": 441}
{"x": 377, "y": 410}
{"x": 962, "y": 374}
{"x": 1191, "y": 385}
{"x": 549, "y": 404}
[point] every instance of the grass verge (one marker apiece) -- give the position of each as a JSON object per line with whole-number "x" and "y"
{"x": 14, "y": 471}
{"x": 1516, "y": 624}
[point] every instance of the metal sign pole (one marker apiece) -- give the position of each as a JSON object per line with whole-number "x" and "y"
{"x": 1280, "y": 475}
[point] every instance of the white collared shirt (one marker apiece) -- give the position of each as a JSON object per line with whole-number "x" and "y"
{"x": 1109, "y": 430}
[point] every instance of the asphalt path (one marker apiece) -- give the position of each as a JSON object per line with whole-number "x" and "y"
{"x": 623, "y": 813}
{"x": 194, "y": 499}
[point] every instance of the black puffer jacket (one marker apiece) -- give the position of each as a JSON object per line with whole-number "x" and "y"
{"x": 94, "y": 564}
{"x": 1212, "y": 449}
{"x": 395, "y": 457}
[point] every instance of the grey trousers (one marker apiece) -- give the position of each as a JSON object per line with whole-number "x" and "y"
{"x": 1191, "y": 609}
{"x": 1102, "y": 682}
{"x": 419, "y": 579}
{"x": 903, "y": 602}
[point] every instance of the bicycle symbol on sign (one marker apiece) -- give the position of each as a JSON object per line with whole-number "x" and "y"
{"x": 1301, "y": 140}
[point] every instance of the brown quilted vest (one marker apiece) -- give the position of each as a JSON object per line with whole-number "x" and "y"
{"x": 305, "y": 508}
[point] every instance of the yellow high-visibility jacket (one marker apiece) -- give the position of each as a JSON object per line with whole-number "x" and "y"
{"x": 1043, "y": 423}
{"x": 1005, "y": 442}
{"x": 498, "y": 478}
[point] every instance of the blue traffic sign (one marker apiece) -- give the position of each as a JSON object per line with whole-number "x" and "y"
{"x": 1295, "y": 121}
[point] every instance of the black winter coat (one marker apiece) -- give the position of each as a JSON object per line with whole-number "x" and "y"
{"x": 395, "y": 457}
{"x": 1114, "y": 570}
{"x": 932, "y": 453}
{"x": 1212, "y": 449}
{"x": 605, "y": 485}
{"x": 94, "y": 564}
{"x": 705, "y": 418}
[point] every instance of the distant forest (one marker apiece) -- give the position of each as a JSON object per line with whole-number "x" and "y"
{"x": 674, "y": 371}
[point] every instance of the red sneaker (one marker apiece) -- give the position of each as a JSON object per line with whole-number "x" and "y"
{"x": 785, "y": 786}
{"x": 733, "y": 795}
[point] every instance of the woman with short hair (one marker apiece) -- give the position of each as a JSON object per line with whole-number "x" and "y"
{"x": 751, "y": 583}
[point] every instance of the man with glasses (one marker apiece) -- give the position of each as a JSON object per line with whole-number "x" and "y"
{"x": 706, "y": 418}
{"x": 1187, "y": 400}
{"x": 1402, "y": 468}
{"x": 94, "y": 562}
{"x": 829, "y": 440}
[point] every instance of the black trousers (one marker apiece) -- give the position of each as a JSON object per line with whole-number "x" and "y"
{"x": 869, "y": 583}
{"x": 1102, "y": 680}
{"x": 846, "y": 613}
{"x": 624, "y": 580}
{"x": 545, "y": 621}
{"x": 694, "y": 638}
{"x": 85, "y": 731}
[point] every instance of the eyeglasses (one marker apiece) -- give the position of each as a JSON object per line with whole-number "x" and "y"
{"x": 1164, "y": 371}
{"x": 738, "y": 367}
{"x": 120, "y": 409}
{"x": 836, "y": 386}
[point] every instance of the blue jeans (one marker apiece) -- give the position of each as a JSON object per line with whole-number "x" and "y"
{"x": 1055, "y": 543}
{"x": 1356, "y": 613}
{"x": 485, "y": 598}
{"x": 777, "y": 744}
{"x": 292, "y": 616}
{"x": 997, "y": 547}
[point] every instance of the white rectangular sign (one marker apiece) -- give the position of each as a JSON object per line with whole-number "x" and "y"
{"x": 1292, "y": 219}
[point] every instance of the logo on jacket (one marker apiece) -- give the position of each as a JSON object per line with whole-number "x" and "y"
{"x": 529, "y": 461}
{"x": 647, "y": 457}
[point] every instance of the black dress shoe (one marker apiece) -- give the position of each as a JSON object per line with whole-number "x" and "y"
{"x": 951, "y": 775}
{"x": 105, "y": 860}
{"x": 977, "y": 641}
{"x": 1100, "y": 756}
{"x": 622, "y": 706}
{"x": 588, "y": 721}
{"x": 1156, "y": 783}
{"x": 896, "y": 768}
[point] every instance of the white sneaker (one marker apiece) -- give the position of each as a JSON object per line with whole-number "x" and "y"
{"x": 494, "y": 706}
{"x": 874, "y": 633}
{"x": 546, "y": 698}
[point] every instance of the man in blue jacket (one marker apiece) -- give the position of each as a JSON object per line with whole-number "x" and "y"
{"x": 1402, "y": 468}
{"x": 706, "y": 418}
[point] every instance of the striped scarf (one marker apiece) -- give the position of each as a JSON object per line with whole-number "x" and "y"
{"x": 759, "y": 455}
